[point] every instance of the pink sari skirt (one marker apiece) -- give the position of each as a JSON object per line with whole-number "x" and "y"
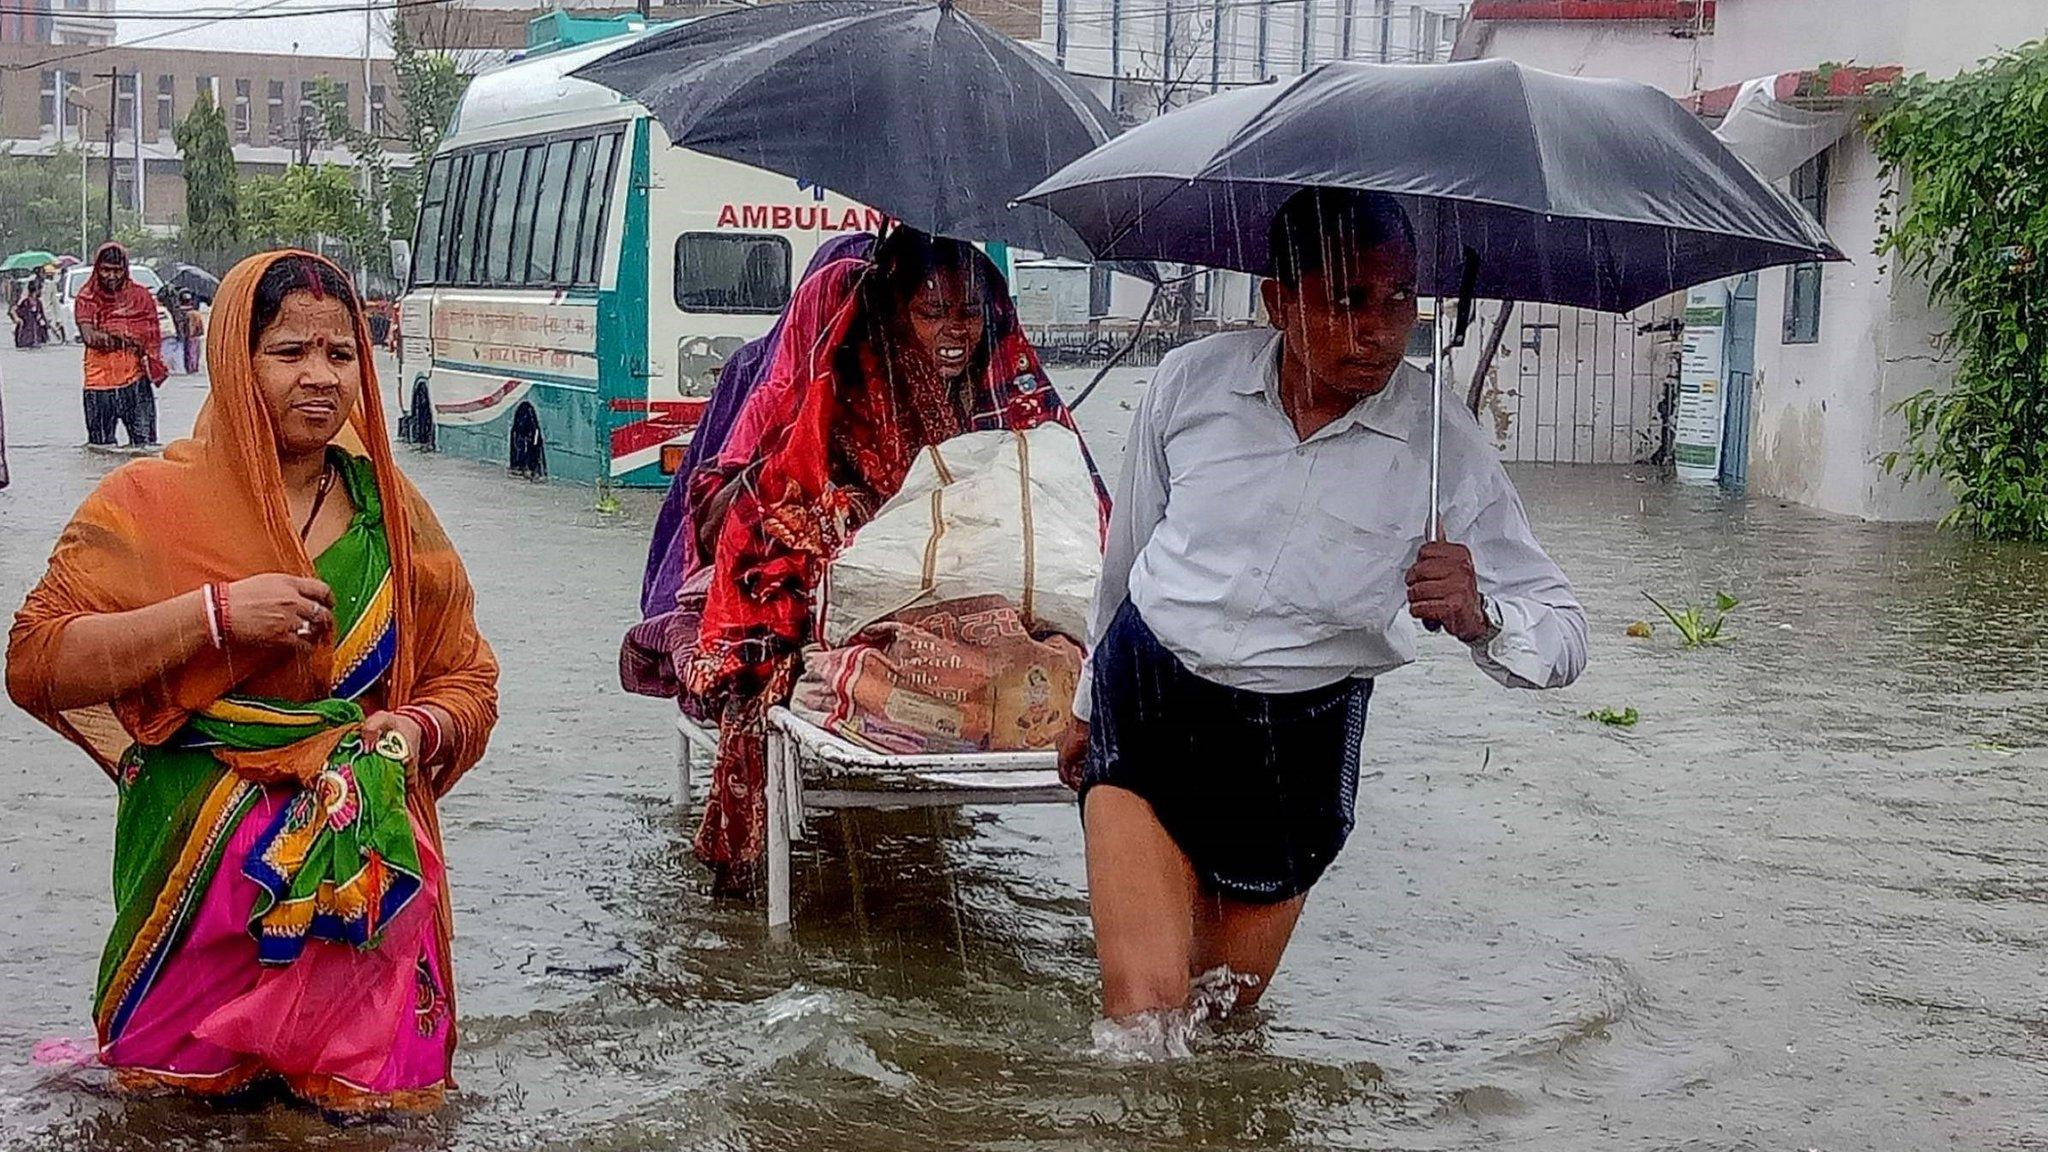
{"x": 346, "y": 1029}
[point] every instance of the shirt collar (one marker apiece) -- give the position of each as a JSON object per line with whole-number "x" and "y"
{"x": 1384, "y": 413}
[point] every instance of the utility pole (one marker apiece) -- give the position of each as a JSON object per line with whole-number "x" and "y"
{"x": 141, "y": 173}
{"x": 113, "y": 79}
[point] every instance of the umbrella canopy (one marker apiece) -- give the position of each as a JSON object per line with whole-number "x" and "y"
{"x": 918, "y": 110}
{"x": 27, "y": 261}
{"x": 1600, "y": 194}
{"x": 194, "y": 279}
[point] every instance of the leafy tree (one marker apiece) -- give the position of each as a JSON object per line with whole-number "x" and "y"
{"x": 430, "y": 85}
{"x": 212, "y": 212}
{"x": 1971, "y": 155}
{"x": 303, "y": 205}
{"x": 41, "y": 195}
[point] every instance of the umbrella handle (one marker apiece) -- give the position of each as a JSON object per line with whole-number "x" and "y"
{"x": 1436, "y": 430}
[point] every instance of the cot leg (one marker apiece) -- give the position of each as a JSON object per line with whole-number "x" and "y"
{"x": 686, "y": 755}
{"x": 778, "y": 833}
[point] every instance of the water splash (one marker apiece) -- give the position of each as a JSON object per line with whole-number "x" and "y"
{"x": 62, "y": 1052}
{"x": 1169, "y": 1033}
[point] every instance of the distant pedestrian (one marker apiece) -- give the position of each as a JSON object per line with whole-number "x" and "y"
{"x": 117, "y": 323}
{"x": 193, "y": 333}
{"x": 31, "y": 323}
{"x": 269, "y": 643}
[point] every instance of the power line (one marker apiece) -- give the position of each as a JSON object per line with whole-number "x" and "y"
{"x": 223, "y": 16}
{"x": 260, "y": 12}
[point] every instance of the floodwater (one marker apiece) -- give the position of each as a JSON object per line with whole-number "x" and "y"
{"x": 1799, "y": 905}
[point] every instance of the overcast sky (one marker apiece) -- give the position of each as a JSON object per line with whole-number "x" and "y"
{"x": 329, "y": 35}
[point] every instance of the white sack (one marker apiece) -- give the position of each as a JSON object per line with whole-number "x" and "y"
{"x": 1011, "y": 514}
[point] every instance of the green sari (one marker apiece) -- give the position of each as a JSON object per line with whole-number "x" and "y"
{"x": 339, "y": 860}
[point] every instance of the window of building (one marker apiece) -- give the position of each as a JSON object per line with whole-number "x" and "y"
{"x": 348, "y": 110}
{"x": 729, "y": 272}
{"x": 244, "y": 115}
{"x": 308, "y": 125}
{"x": 52, "y": 81}
{"x": 124, "y": 186}
{"x": 1803, "y": 281}
{"x": 207, "y": 84}
{"x": 275, "y": 110}
{"x": 376, "y": 126}
{"x": 166, "y": 104}
{"x": 124, "y": 101}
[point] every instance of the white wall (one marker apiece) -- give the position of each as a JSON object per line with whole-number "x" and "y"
{"x": 1939, "y": 37}
{"x": 1644, "y": 51}
{"x": 1824, "y": 410}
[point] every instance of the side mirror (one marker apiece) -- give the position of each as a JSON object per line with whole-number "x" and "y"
{"x": 401, "y": 263}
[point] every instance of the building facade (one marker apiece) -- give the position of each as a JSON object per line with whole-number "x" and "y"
{"x": 1826, "y": 352}
{"x": 492, "y": 30}
{"x": 51, "y": 104}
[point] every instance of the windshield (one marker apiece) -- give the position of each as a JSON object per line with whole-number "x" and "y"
{"x": 74, "y": 278}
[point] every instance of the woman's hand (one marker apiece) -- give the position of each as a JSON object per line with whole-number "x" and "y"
{"x": 378, "y": 724}
{"x": 278, "y": 610}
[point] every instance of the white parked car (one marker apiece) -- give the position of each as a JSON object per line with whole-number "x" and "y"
{"x": 62, "y": 324}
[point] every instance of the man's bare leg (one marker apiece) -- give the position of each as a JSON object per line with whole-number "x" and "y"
{"x": 1248, "y": 938}
{"x": 1141, "y": 893}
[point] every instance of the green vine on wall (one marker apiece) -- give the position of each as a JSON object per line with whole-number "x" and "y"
{"x": 1969, "y": 217}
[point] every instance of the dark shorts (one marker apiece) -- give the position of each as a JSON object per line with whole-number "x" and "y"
{"x": 1256, "y": 789}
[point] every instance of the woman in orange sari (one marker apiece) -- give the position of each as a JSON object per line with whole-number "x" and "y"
{"x": 267, "y": 641}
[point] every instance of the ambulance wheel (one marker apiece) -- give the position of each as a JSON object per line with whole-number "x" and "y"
{"x": 529, "y": 454}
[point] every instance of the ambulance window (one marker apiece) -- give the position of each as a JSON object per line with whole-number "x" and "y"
{"x": 731, "y": 272}
{"x": 511, "y": 174}
{"x": 427, "y": 243}
{"x": 590, "y": 249}
{"x": 547, "y": 220}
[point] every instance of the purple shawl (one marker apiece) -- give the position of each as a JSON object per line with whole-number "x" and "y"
{"x": 670, "y": 553}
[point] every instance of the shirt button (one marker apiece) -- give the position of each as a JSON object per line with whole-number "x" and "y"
{"x": 1258, "y": 572}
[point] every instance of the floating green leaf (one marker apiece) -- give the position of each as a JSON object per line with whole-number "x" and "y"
{"x": 1624, "y": 718}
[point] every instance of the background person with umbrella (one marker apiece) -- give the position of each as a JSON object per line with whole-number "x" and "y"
{"x": 1259, "y": 568}
{"x": 1521, "y": 185}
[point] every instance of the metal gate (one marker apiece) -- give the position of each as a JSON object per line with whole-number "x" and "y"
{"x": 1576, "y": 387}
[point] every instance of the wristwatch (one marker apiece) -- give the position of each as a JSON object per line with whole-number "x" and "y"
{"x": 1493, "y": 622}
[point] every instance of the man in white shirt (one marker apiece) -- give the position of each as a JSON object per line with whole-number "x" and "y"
{"x": 1265, "y": 562}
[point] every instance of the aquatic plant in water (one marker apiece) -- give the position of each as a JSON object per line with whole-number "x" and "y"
{"x": 1693, "y": 622}
{"x": 1622, "y": 718}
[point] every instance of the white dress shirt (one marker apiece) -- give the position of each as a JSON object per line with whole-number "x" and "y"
{"x": 1276, "y": 564}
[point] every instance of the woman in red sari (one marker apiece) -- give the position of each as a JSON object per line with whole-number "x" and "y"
{"x": 879, "y": 359}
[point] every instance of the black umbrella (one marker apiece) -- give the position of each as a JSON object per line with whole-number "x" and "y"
{"x": 202, "y": 284}
{"x": 1592, "y": 193}
{"x": 1522, "y": 185}
{"x": 918, "y": 110}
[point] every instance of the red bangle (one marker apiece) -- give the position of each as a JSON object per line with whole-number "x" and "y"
{"x": 219, "y": 592}
{"x": 430, "y": 730}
